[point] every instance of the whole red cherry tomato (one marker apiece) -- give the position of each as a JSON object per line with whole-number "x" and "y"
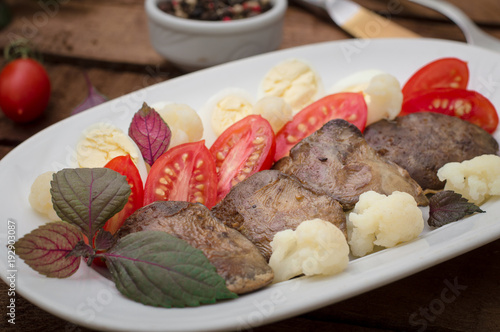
{"x": 24, "y": 90}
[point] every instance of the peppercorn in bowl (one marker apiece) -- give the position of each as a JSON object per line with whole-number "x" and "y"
{"x": 195, "y": 34}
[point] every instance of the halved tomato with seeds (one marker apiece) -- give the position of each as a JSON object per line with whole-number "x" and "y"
{"x": 125, "y": 166}
{"x": 184, "y": 173}
{"x": 350, "y": 106}
{"x": 441, "y": 73}
{"x": 466, "y": 104}
{"x": 242, "y": 149}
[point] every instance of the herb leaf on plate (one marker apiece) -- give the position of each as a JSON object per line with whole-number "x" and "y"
{"x": 150, "y": 133}
{"x": 103, "y": 240}
{"x": 448, "y": 206}
{"x": 47, "y": 248}
{"x": 159, "y": 269}
{"x": 82, "y": 249}
{"x": 88, "y": 197}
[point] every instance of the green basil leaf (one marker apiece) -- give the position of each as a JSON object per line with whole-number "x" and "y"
{"x": 47, "y": 248}
{"x": 88, "y": 197}
{"x": 103, "y": 240}
{"x": 158, "y": 269}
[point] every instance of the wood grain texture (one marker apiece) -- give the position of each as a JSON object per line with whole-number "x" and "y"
{"x": 69, "y": 90}
{"x": 108, "y": 30}
{"x": 116, "y": 31}
{"x": 483, "y": 12}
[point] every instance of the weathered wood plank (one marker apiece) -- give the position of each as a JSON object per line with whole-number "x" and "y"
{"x": 116, "y": 31}
{"x": 325, "y": 30}
{"x": 69, "y": 90}
{"x": 106, "y": 30}
{"x": 4, "y": 149}
{"x": 483, "y": 12}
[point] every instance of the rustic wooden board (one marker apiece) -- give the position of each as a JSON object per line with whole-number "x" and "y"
{"x": 69, "y": 90}
{"x": 116, "y": 31}
{"x": 105, "y": 30}
{"x": 483, "y": 12}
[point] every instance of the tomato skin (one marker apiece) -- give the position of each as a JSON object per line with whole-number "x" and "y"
{"x": 243, "y": 149}
{"x": 466, "y": 104}
{"x": 350, "y": 106}
{"x": 125, "y": 166}
{"x": 441, "y": 73}
{"x": 186, "y": 172}
{"x": 24, "y": 90}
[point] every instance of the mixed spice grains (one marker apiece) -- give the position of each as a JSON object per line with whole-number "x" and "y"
{"x": 215, "y": 10}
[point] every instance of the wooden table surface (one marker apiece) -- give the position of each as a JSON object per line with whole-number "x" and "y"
{"x": 108, "y": 40}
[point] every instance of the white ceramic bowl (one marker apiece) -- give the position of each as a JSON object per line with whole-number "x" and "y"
{"x": 194, "y": 44}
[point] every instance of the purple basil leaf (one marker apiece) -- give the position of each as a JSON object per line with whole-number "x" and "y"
{"x": 448, "y": 206}
{"x": 82, "y": 249}
{"x": 88, "y": 197}
{"x": 158, "y": 269}
{"x": 104, "y": 240}
{"x": 150, "y": 133}
{"x": 94, "y": 98}
{"x": 47, "y": 248}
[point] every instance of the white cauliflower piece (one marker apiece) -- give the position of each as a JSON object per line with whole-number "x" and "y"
{"x": 315, "y": 247}
{"x": 184, "y": 123}
{"x": 384, "y": 221}
{"x": 40, "y": 198}
{"x": 381, "y": 91}
{"x": 476, "y": 179}
{"x": 383, "y": 97}
{"x": 275, "y": 110}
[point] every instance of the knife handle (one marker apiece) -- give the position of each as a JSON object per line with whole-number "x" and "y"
{"x": 367, "y": 24}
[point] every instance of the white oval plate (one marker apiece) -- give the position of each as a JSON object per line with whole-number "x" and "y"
{"x": 90, "y": 300}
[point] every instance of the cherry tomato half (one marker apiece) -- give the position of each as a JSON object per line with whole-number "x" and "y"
{"x": 350, "y": 106}
{"x": 186, "y": 172}
{"x": 465, "y": 104}
{"x": 441, "y": 73}
{"x": 24, "y": 90}
{"x": 241, "y": 150}
{"x": 125, "y": 166}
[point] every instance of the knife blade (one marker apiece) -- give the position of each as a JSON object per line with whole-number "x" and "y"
{"x": 363, "y": 23}
{"x": 356, "y": 20}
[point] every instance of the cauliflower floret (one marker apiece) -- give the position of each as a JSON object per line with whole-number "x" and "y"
{"x": 383, "y": 97}
{"x": 40, "y": 198}
{"x": 382, "y": 93}
{"x": 476, "y": 179}
{"x": 183, "y": 121}
{"x": 384, "y": 221}
{"x": 275, "y": 110}
{"x": 315, "y": 247}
